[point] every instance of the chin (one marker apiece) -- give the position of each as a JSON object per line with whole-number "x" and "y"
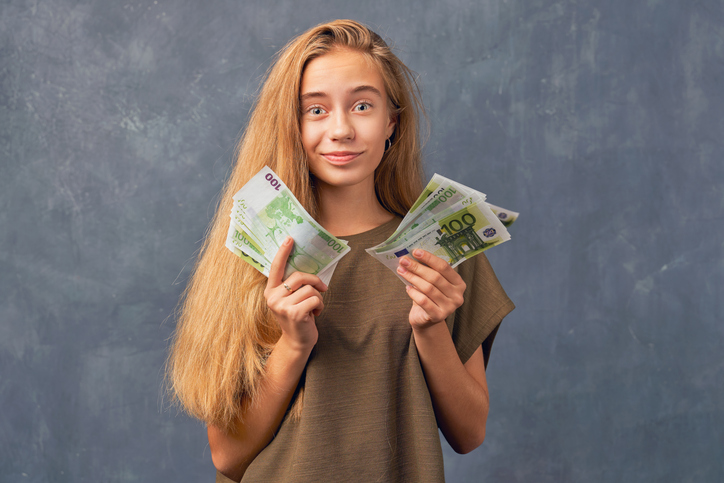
{"x": 344, "y": 180}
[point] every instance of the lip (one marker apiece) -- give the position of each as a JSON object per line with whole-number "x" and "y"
{"x": 339, "y": 158}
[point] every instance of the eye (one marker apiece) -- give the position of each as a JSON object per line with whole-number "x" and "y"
{"x": 363, "y": 106}
{"x": 315, "y": 110}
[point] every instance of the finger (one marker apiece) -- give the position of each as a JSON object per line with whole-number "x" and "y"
{"x": 426, "y": 285}
{"x": 311, "y": 305}
{"x": 438, "y": 264}
{"x": 303, "y": 301}
{"x": 299, "y": 279}
{"x": 276, "y": 271}
{"x": 433, "y": 311}
{"x": 306, "y": 300}
{"x": 430, "y": 275}
{"x": 305, "y": 292}
{"x": 297, "y": 309}
{"x": 433, "y": 284}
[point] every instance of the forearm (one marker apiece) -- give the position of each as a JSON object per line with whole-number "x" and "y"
{"x": 460, "y": 400}
{"x": 233, "y": 451}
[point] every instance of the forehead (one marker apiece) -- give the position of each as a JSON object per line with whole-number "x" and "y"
{"x": 340, "y": 70}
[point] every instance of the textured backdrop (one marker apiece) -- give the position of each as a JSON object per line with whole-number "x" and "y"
{"x": 599, "y": 120}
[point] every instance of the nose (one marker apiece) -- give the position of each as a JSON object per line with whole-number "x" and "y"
{"x": 341, "y": 127}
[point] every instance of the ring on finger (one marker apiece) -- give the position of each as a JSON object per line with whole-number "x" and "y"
{"x": 289, "y": 289}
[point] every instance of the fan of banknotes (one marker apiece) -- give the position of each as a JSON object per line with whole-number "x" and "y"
{"x": 264, "y": 213}
{"x": 449, "y": 220}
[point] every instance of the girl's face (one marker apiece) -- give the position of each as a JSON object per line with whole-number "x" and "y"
{"x": 344, "y": 120}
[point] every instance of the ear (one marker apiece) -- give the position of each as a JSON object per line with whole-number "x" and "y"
{"x": 390, "y": 129}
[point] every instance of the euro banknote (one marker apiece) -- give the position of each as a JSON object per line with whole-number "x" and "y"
{"x": 450, "y": 220}
{"x": 507, "y": 217}
{"x": 441, "y": 192}
{"x": 264, "y": 213}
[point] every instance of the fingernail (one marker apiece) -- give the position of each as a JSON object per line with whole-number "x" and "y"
{"x": 417, "y": 253}
{"x": 401, "y": 270}
{"x": 288, "y": 240}
{"x": 405, "y": 261}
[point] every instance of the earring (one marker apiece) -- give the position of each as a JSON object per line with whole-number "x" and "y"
{"x": 388, "y": 143}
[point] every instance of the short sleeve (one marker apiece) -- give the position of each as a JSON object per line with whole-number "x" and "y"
{"x": 476, "y": 322}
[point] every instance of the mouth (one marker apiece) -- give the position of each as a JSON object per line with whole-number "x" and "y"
{"x": 340, "y": 157}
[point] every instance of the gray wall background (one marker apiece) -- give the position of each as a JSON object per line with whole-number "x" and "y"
{"x": 599, "y": 120}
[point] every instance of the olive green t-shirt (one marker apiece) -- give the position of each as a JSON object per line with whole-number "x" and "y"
{"x": 366, "y": 410}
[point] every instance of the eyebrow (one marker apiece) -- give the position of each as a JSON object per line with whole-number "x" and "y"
{"x": 362, "y": 88}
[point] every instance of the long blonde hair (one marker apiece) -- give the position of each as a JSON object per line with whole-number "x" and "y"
{"x": 225, "y": 331}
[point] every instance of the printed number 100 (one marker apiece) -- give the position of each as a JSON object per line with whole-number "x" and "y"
{"x": 457, "y": 225}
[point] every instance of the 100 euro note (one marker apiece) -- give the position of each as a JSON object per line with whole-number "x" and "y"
{"x": 265, "y": 212}
{"x": 441, "y": 192}
{"x": 449, "y": 220}
{"x": 507, "y": 217}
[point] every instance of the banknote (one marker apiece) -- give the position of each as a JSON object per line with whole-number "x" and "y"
{"x": 454, "y": 235}
{"x": 242, "y": 245}
{"x": 450, "y": 220}
{"x": 507, "y": 217}
{"x": 437, "y": 186}
{"x": 439, "y": 194}
{"x": 264, "y": 213}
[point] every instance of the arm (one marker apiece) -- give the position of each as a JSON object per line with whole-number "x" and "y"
{"x": 459, "y": 392}
{"x": 233, "y": 451}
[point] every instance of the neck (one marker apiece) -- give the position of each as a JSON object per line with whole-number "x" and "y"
{"x": 345, "y": 211}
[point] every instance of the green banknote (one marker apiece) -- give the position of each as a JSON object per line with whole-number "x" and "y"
{"x": 440, "y": 194}
{"x": 507, "y": 217}
{"x": 243, "y": 246}
{"x": 450, "y": 220}
{"x": 264, "y": 213}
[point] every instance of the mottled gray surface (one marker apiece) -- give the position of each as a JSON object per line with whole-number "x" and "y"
{"x": 600, "y": 120}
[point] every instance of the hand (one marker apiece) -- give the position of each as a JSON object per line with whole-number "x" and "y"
{"x": 437, "y": 289}
{"x": 294, "y": 307}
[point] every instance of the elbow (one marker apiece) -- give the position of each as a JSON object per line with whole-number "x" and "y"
{"x": 471, "y": 441}
{"x": 228, "y": 458}
{"x": 226, "y": 465}
{"x": 473, "y": 434}
{"x": 469, "y": 436}
{"x": 467, "y": 432}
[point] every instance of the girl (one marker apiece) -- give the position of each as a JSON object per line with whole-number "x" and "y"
{"x": 299, "y": 381}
